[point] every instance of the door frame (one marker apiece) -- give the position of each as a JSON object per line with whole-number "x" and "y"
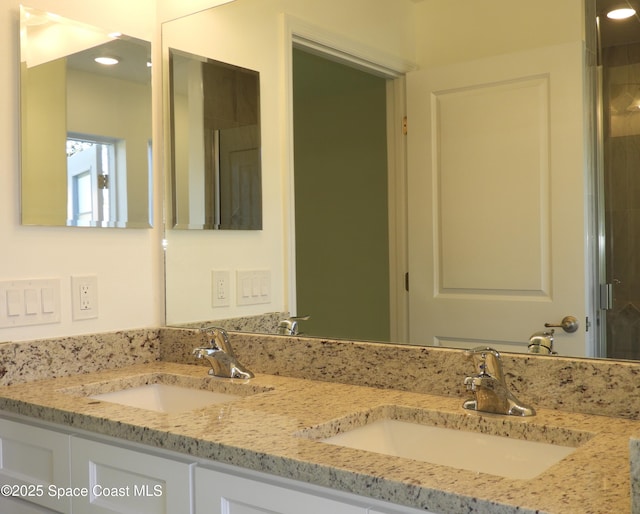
{"x": 301, "y": 34}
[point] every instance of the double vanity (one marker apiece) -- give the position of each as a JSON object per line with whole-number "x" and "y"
{"x": 323, "y": 426}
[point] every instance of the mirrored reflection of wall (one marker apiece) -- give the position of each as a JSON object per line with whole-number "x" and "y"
{"x": 215, "y": 142}
{"x": 85, "y": 128}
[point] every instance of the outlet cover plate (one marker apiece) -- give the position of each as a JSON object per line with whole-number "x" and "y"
{"x": 84, "y": 297}
{"x": 220, "y": 288}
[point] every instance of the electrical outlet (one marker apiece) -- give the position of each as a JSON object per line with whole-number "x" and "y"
{"x": 221, "y": 290}
{"x": 84, "y": 297}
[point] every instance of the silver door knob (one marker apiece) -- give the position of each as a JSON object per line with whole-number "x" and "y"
{"x": 568, "y": 324}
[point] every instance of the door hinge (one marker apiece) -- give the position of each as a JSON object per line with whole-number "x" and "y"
{"x": 103, "y": 181}
{"x": 406, "y": 281}
{"x": 606, "y": 296}
{"x": 404, "y": 126}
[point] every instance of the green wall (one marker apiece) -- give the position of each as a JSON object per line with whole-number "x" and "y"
{"x": 342, "y": 244}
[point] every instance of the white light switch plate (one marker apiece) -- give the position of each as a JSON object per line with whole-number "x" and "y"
{"x": 29, "y": 302}
{"x": 253, "y": 287}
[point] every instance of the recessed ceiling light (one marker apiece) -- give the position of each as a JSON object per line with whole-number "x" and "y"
{"x": 621, "y": 14}
{"x": 107, "y": 61}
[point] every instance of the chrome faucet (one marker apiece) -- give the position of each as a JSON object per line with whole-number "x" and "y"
{"x": 542, "y": 343}
{"x": 289, "y": 326}
{"x": 489, "y": 387}
{"x": 220, "y": 355}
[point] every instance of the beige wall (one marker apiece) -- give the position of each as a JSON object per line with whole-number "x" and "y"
{"x": 128, "y": 263}
{"x": 43, "y": 120}
{"x": 470, "y": 29}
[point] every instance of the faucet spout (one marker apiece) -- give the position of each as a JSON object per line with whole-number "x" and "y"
{"x": 220, "y": 355}
{"x": 488, "y": 386}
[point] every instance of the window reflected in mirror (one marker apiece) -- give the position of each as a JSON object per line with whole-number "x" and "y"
{"x": 215, "y": 144}
{"x": 91, "y": 175}
{"x": 85, "y": 126}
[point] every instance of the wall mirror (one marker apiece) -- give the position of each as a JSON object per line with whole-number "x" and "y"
{"x": 214, "y": 114}
{"x": 85, "y": 125}
{"x": 245, "y": 13}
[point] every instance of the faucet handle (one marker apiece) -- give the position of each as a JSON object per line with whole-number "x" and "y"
{"x": 219, "y": 338}
{"x": 486, "y": 360}
{"x": 481, "y": 350}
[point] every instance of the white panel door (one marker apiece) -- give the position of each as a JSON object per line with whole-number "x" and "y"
{"x": 496, "y": 188}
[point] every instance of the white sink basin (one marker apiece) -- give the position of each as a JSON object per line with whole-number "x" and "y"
{"x": 166, "y": 392}
{"x": 165, "y": 398}
{"x": 483, "y": 453}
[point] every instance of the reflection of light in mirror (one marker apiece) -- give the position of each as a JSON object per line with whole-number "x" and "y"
{"x": 107, "y": 61}
{"x": 621, "y": 14}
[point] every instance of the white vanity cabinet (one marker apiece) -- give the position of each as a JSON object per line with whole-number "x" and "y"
{"x": 44, "y": 470}
{"x": 221, "y": 492}
{"x": 123, "y": 480}
{"x": 32, "y": 460}
{"x": 80, "y": 473}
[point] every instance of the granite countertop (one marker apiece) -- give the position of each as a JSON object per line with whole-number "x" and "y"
{"x": 270, "y": 430}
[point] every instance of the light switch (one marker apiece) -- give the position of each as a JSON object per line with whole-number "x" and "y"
{"x": 31, "y": 304}
{"x": 246, "y": 287}
{"x": 48, "y": 300}
{"x": 14, "y": 307}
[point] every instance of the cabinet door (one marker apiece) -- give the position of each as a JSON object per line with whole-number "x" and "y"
{"x": 35, "y": 463}
{"x": 114, "y": 479}
{"x": 220, "y": 493}
{"x": 17, "y": 506}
